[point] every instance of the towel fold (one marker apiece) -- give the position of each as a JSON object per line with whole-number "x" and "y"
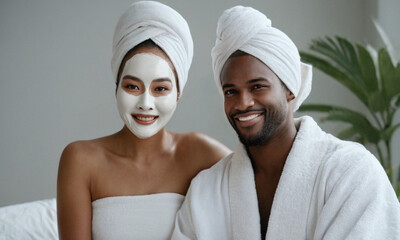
{"x": 248, "y": 30}
{"x": 166, "y": 27}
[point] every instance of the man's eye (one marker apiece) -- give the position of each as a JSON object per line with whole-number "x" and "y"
{"x": 229, "y": 92}
{"x": 259, "y": 86}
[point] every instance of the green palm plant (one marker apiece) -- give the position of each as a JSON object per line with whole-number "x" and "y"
{"x": 374, "y": 78}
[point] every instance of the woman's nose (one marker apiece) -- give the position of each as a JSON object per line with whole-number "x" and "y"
{"x": 146, "y": 101}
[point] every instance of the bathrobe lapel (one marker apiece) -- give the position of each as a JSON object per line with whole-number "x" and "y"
{"x": 289, "y": 213}
{"x": 243, "y": 197}
{"x": 288, "y": 219}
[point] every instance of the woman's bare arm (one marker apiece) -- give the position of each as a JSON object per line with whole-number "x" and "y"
{"x": 74, "y": 207}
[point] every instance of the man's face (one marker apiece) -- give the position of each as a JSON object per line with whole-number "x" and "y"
{"x": 256, "y": 102}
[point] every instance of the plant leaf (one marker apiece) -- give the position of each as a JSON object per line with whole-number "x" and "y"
{"x": 377, "y": 102}
{"x": 398, "y": 101}
{"x": 316, "y": 108}
{"x": 367, "y": 67}
{"x": 347, "y": 133}
{"x": 396, "y": 81}
{"x": 388, "y": 133}
{"x": 350, "y": 55}
{"x": 342, "y": 54}
{"x": 336, "y": 74}
{"x": 325, "y": 49}
{"x": 358, "y": 121}
{"x": 388, "y": 74}
{"x": 374, "y": 54}
{"x": 386, "y": 40}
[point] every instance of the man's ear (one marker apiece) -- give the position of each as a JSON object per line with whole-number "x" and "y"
{"x": 289, "y": 96}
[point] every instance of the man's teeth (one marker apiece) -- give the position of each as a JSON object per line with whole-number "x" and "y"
{"x": 146, "y": 119}
{"x": 247, "y": 118}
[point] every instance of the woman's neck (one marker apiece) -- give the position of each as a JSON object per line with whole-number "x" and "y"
{"x": 132, "y": 146}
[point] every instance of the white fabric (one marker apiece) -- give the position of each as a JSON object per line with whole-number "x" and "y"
{"x": 135, "y": 217}
{"x": 329, "y": 189}
{"x": 248, "y": 30}
{"x": 167, "y": 28}
{"x": 28, "y": 221}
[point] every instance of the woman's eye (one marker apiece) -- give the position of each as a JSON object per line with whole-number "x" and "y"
{"x": 132, "y": 87}
{"x": 161, "y": 89}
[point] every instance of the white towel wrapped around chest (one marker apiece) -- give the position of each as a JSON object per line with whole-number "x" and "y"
{"x": 135, "y": 217}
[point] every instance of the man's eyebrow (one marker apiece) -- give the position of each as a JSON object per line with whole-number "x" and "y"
{"x": 227, "y": 85}
{"x": 261, "y": 79}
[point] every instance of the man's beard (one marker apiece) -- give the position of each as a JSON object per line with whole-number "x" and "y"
{"x": 273, "y": 118}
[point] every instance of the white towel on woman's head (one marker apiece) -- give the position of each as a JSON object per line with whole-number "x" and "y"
{"x": 248, "y": 30}
{"x": 166, "y": 27}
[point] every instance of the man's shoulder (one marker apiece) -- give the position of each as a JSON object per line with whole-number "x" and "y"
{"x": 349, "y": 152}
{"x": 331, "y": 145}
{"x": 347, "y": 159}
{"x": 336, "y": 154}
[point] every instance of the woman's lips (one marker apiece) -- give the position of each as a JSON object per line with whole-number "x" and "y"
{"x": 144, "y": 119}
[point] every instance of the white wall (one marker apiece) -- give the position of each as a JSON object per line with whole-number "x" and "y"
{"x": 56, "y": 84}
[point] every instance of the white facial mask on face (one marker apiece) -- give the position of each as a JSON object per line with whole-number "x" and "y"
{"x": 145, "y": 115}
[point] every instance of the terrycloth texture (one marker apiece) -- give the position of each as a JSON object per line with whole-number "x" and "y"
{"x": 329, "y": 189}
{"x": 248, "y": 30}
{"x": 31, "y": 220}
{"x": 135, "y": 217}
{"x": 160, "y": 23}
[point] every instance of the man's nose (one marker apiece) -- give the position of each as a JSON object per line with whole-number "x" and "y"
{"x": 245, "y": 101}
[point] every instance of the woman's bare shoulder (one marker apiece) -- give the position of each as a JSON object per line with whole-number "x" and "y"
{"x": 202, "y": 147}
{"x": 83, "y": 153}
{"x": 81, "y": 148}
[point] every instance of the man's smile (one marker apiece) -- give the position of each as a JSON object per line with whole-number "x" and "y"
{"x": 248, "y": 119}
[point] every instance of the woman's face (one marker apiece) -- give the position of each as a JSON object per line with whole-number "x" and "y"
{"x": 147, "y": 93}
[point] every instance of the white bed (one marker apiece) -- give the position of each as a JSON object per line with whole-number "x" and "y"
{"x": 31, "y": 220}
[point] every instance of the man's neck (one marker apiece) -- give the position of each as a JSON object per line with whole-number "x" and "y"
{"x": 269, "y": 159}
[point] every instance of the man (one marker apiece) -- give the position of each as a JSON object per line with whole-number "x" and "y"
{"x": 288, "y": 179}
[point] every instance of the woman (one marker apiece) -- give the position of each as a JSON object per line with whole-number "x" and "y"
{"x": 130, "y": 184}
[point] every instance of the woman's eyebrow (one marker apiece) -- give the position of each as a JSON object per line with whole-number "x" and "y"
{"x": 162, "y": 80}
{"x": 132, "y": 78}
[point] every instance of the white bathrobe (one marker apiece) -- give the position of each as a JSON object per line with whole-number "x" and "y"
{"x": 329, "y": 189}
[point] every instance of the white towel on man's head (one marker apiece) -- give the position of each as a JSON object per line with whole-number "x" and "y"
{"x": 166, "y": 27}
{"x": 248, "y": 30}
